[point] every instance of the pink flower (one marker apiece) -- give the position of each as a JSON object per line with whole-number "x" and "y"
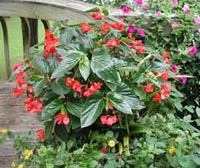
{"x": 174, "y": 3}
{"x": 62, "y": 119}
{"x": 141, "y": 32}
{"x": 192, "y": 50}
{"x": 197, "y": 20}
{"x": 126, "y": 9}
{"x": 186, "y": 9}
{"x": 131, "y": 28}
{"x": 184, "y": 79}
{"x": 174, "y": 68}
{"x": 139, "y": 2}
{"x": 175, "y": 25}
{"x": 148, "y": 88}
{"x": 158, "y": 14}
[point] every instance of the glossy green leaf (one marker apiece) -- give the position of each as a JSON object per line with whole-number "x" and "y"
{"x": 38, "y": 87}
{"x": 59, "y": 87}
{"x": 119, "y": 102}
{"x": 70, "y": 60}
{"x": 128, "y": 95}
{"x": 48, "y": 128}
{"x": 92, "y": 110}
{"x": 84, "y": 67}
{"x": 51, "y": 109}
{"x": 41, "y": 64}
{"x": 102, "y": 65}
{"x": 75, "y": 108}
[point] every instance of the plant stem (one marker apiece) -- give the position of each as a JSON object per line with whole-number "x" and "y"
{"x": 143, "y": 61}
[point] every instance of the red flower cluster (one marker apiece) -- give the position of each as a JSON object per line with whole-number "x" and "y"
{"x": 62, "y": 119}
{"x": 50, "y": 43}
{"x": 92, "y": 89}
{"x": 149, "y": 88}
{"x": 18, "y": 91}
{"x": 112, "y": 43}
{"x": 136, "y": 45}
{"x": 166, "y": 57}
{"x": 40, "y": 133}
{"x": 105, "y": 28}
{"x": 76, "y": 85}
{"x": 97, "y": 15}
{"x": 103, "y": 150}
{"x": 118, "y": 26}
{"x": 85, "y": 27}
{"x": 108, "y": 119}
{"x": 32, "y": 105}
{"x": 164, "y": 92}
{"x": 164, "y": 75}
{"x": 20, "y": 78}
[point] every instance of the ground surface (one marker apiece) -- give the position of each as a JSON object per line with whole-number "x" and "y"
{"x": 14, "y": 117}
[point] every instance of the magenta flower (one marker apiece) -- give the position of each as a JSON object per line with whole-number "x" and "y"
{"x": 131, "y": 28}
{"x": 141, "y": 32}
{"x": 174, "y": 3}
{"x": 174, "y": 68}
{"x": 126, "y": 9}
{"x": 175, "y": 25}
{"x": 192, "y": 50}
{"x": 158, "y": 13}
{"x": 186, "y": 9}
{"x": 184, "y": 80}
{"x": 139, "y": 2}
{"x": 197, "y": 20}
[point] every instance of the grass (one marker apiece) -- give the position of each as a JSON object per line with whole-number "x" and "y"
{"x": 15, "y": 44}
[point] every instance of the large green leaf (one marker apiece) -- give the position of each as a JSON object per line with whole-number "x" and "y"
{"x": 127, "y": 94}
{"x": 84, "y": 67}
{"x": 119, "y": 102}
{"x": 41, "y": 64}
{"x": 75, "y": 108}
{"x": 38, "y": 87}
{"x": 51, "y": 109}
{"x": 102, "y": 65}
{"x": 59, "y": 87}
{"x": 92, "y": 110}
{"x": 70, "y": 60}
{"x": 49, "y": 125}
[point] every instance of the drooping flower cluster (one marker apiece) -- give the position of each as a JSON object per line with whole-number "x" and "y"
{"x": 40, "y": 133}
{"x": 82, "y": 89}
{"x": 62, "y": 119}
{"x": 50, "y": 43}
{"x": 108, "y": 119}
{"x": 33, "y": 105}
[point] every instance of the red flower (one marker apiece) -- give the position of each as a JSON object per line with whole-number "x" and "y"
{"x": 76, "y": 85}
{"x": 148, "y": 88}
{"x": 103, "y": 150}
{"x": 85, "y": 27}
{"x": 112, "y": 43}
{"x": 164, "y": 75}
{"x": 30, "y": 89}
{"x": 157, "y": 97}
{"x": 138, "y": 46}
{"x": 62, "y": 119}
{"x": 18, "y": 91}
{"x": 108, "y": 119}
{"x": 40, "y": 133}
{"x": 105, "y": 28}
{"x": 97, "y": 16}
{"x": 118, "y": 26}
{"x": 92, "y": 89}
{"x": 110, "y": 107}
{"x": 33, "y": 106}
{"x": 165, "y": 90}
{"x": 59, "y": 57}
{"x": 16, "y": 66}
{"x": 50, "y": 43}
{"x": 20, "y": 78}
{"x": 166, "y": 57}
